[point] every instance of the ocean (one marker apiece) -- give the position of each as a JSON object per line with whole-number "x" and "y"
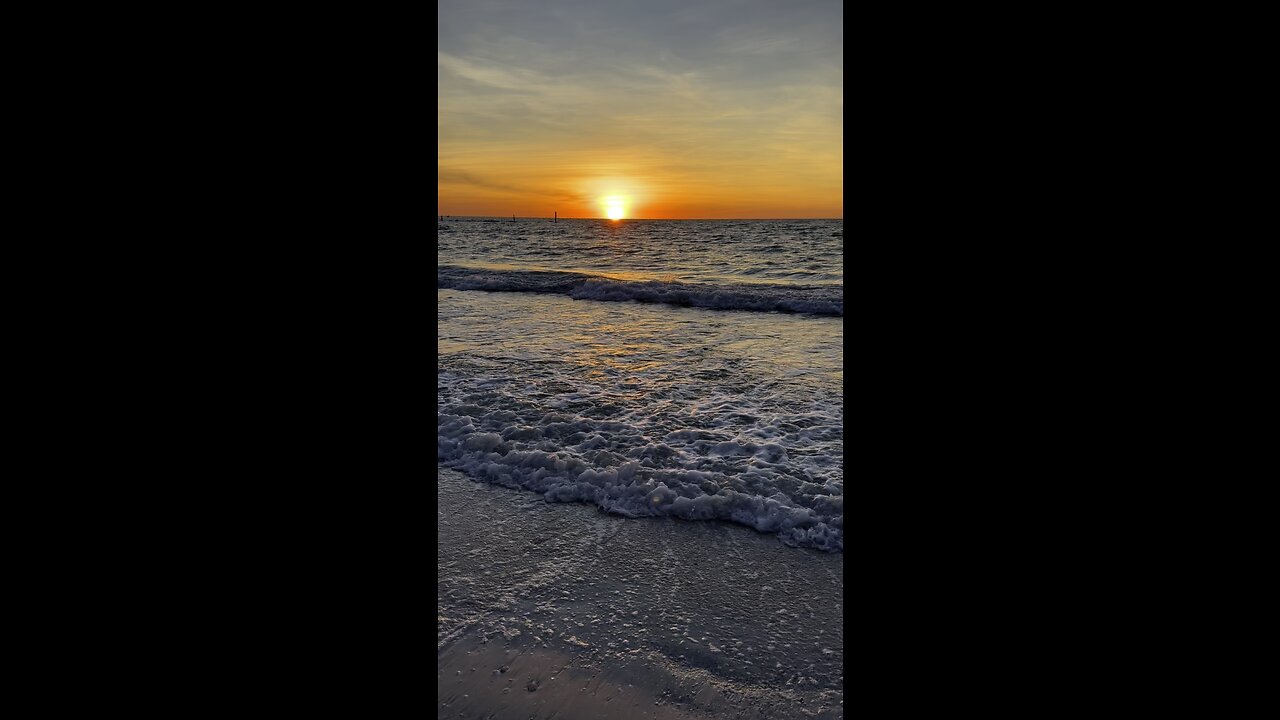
{"x": 683, "y": 368}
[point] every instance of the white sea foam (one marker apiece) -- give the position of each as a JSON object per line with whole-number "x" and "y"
{"x": 598, "y": 367}
{"x": 666, "y": 431}
{"x": 649, "y": 480}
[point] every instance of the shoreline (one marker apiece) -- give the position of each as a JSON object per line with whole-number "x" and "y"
{"x": 548, "y": 609}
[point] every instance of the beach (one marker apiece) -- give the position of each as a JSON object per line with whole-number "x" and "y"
{"x": 640, "y": 438}
{"x": 561, "y": 610}
{"x": 640, "y": 469}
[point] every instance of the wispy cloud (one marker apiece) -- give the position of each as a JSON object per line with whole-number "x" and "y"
{"x": 724, "y": 102}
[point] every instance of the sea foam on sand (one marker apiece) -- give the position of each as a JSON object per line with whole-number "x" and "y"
{"x": 561, "y": 610}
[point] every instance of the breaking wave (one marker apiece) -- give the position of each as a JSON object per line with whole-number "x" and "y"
{"x": 815, "y": 300}
{"x": 568, "y": 459}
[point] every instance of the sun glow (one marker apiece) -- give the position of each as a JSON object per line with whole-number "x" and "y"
{"x": 615, "y": 207}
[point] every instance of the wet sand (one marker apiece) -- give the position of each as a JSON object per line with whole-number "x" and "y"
{"x": 561, "y": 611}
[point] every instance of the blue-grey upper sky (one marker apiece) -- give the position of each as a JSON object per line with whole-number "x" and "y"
{"x": 711, "y": 108}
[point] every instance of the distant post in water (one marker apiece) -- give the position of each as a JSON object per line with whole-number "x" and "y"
{"x": 555, "y": 217}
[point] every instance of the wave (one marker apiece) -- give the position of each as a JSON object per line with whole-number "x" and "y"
{"x": 815, "y": 300}
{"x": 675, "y": 476}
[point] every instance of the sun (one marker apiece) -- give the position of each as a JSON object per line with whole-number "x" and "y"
{"x": 615, "y": 207}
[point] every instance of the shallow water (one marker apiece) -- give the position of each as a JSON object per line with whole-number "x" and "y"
{"x": 660, "y": 405}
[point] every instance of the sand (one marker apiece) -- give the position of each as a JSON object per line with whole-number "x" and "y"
{"x": 561, "y": 611}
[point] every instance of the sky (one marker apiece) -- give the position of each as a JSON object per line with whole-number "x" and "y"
{"x": 641, "y": 108}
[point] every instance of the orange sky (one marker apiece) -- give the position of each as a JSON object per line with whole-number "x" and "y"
{"x": 714, "y": 109}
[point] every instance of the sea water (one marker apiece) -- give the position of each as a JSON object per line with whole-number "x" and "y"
{"x": 683, "y": 368}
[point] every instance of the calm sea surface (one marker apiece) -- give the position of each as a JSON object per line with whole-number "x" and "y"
{"x": 684, "y": 368}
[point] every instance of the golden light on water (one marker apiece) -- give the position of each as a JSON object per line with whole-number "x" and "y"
{"x": 615, "y": 207}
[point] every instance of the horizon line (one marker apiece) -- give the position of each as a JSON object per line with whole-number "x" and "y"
{"x": 540, "y": 217}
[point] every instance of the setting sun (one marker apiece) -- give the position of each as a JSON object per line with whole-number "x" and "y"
{"x": 614, "y": 207}
{"x": 634, "y": 367}
{"x": 640, "y": 111}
